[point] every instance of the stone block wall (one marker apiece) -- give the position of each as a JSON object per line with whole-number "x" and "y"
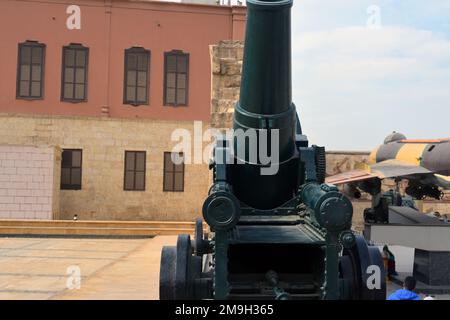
{"x": 343, "y": 161}
{"x": 226, "y": 66}
{"x": 103, "y": 142}
{"x": 29, "y": 182}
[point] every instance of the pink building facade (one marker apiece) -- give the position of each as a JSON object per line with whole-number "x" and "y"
{"x": 107, "y": 29}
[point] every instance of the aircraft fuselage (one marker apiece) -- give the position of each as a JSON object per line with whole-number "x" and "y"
{"x": 433, "y": 155}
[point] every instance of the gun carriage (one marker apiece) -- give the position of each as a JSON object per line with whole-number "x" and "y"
{"x": 285, "y": 235}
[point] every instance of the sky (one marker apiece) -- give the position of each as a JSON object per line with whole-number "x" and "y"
{"x": 362, "y": 69}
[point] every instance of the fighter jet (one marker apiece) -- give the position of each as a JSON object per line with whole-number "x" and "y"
{"x": 424, "y": 163}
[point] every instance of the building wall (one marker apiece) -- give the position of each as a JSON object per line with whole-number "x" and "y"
{"x": 226, "y": 68}
{"x": 108, "y": 28}
{"x": 29, "y": 182}
{"x": 342, "y": 161}
{"x": 103, "y": 127}
{"x": 104, "y": 142}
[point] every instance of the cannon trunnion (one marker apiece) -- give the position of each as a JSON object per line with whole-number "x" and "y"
{"x": 278, "y": 232}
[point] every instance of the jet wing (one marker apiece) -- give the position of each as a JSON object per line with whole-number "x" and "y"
{"x": 349, "y": 177}
{"x": 395, "y": 168}
{"x": 382, "y": 170}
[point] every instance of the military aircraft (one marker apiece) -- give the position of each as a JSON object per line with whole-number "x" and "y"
{"x": 424, "y": 163}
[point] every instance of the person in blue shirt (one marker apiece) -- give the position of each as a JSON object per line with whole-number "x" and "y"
{"x": 407, "y": 293}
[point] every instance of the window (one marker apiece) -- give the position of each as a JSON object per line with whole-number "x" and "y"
{"x": 71, "y": 169}
{"x": 173, "y": 171}
{"x": 134, "y": 179}
{"x": 176, "y": 76}
{"x": 74, "y": 73}
{"x": 30, "y": 70}
{"x": 136, "y": 76}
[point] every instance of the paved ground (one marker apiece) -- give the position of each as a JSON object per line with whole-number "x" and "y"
{"x": 48, "y": 268}
{"x": 52, "y": 268}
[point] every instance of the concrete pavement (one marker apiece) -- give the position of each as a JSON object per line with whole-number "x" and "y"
{"x": 49, "y": 268}
{"x": 52, "y": 268}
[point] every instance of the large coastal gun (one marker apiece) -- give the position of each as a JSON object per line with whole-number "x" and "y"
{"x": 277, "y": 234}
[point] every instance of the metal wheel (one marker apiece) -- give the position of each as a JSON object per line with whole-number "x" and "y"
{"x": 176, "y": 279}
{"x": 167, "y": 273}
{"x": 355, "y": 264}
{"x": 198, "y": 243}
{"x": 183, "y": 266}
{"x": 181, "y": 273}
{"x": 349, "y": 276}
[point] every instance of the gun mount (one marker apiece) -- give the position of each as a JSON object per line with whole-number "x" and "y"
{"x": 283, "y": 235}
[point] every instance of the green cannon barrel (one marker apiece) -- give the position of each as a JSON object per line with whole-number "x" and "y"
{"x": 266, "y": 77}
{"x": 265, "y": 109}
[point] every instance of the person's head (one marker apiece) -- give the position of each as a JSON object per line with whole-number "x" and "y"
{"x": 409, "y": 283}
